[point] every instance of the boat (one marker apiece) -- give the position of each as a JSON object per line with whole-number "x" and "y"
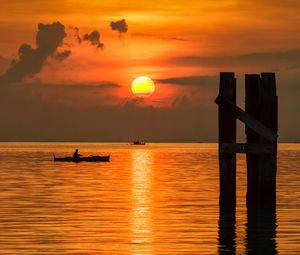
{"x": 84, "y": 159}
{"x": 138, "y": 143}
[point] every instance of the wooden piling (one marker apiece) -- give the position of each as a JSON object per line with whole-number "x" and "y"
{"x": 268, "y": 117}
{"x": 261, "y": 103}
{"x": 227, "y": 134}
{"x": 252, "y": 84}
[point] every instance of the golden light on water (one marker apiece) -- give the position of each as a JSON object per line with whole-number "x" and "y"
{"x": 141, "y": 222}
{"x": 142, "y": 86}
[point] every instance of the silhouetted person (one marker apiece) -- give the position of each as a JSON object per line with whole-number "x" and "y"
{"x": 76, "y": 155}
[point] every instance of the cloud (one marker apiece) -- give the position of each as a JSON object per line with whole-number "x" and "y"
{"x": 77, "y": 95}
{"x": 158, "y": 36}
{"x": 62, "y": 55}
{"x": 66, "y": 117}
{"x": 77, "y": 36}
{"x": 269, "y": 60}
{"x": 44, "y": 122}
{"x": 88, "y": 112}
{"x": 191, "y": 81}
{"x": 277, "y": 3}
{"x": 78, "y": 87}
{"x": 4, "y": 64}
{"x": 94, "y": 39}
{"x": 177, "y": 39}
{"x": 181, "y": 101}
{"x": 73, "y": 95}
{"x": 48, "y": 38}
{"x": 120, "y": 26}
{"x": 133, "y": 103}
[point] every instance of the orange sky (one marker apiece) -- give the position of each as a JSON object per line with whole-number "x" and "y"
{"x": 187, "y": 41}
{"x": 157, "y": 33}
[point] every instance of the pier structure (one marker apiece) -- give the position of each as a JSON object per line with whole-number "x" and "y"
{"x": 260, "y": 118}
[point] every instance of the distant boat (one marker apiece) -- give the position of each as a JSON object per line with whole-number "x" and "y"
{"x": 138, "y": 143}
{"x": 83, "y": 159}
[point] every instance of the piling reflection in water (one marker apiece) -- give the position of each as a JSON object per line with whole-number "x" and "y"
{"x": 141, "y": 224}
{"x": 227, "y": 231}
{"x": 261, "y": 230}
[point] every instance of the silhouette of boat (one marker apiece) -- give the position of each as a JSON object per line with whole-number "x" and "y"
{"x": 138, "y": 143}
{"x": 84, "y": 159}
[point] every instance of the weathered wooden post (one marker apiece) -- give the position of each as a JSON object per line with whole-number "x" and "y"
{"x": 252, "y": 83}
{"x": 227, "y": 134}
{"x": 261, "y": 103}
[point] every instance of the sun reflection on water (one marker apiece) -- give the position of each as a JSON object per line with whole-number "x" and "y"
{"x": 141, "y": 222}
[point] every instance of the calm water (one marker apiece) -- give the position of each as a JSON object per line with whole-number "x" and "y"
{"x": 153, "y": 199}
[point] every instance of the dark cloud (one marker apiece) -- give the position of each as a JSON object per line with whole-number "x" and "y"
{"x": 62, "y": 55}
{"x": 4, "y": 64}
{"x": 191, "y": 81}
{"x": 120, "y": 26}
{"x": 94, "y": 39}
{"x": 133, "y": 103}
{"x": 161, "y": 37}
{"x": 75, "y": 94}
{"x": 60, "y": 112}
{"x": 181, "y": 101}
{"x": 110, "y": 85}
{"x": 177, "y": 39}
{"x": 41, "y": 94}
{"x": 77, "y": 36}
{"x": 282, "y": 4}
{"x": 99, "y": 86}
{"x": 44, "y": 122}
{"x": 68, "y": 115}
{"x": 272, "y": 60}
{"x": 48, "y": 38}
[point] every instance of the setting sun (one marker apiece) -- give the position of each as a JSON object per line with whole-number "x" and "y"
{"x": 142, "y": 86}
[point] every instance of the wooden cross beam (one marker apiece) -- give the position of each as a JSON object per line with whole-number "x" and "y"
{"x": 249, "y": 148}
{"x": 251, "y": 122}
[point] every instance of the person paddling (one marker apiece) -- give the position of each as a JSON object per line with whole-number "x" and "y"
{"x": 76, "y": 155}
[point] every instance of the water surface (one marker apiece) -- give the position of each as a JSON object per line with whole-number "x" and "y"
{"x": 153, "y": 199}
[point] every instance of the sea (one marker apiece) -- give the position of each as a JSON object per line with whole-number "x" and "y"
{"x": 158, "y": 198}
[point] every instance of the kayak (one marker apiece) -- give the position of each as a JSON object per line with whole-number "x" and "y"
{"x": 84, "y": 159}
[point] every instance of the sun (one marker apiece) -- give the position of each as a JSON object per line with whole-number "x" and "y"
{"x": 142, "y": 86}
